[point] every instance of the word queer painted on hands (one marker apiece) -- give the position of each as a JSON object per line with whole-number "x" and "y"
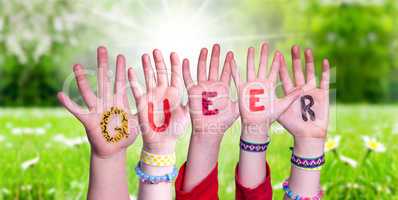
{"x": 206, "y": 103}
{"x": 121, "y": 131}
{"x": 253, "y": 100}
{"x": 166, "y": 120}
{"x": 306, "y": 107}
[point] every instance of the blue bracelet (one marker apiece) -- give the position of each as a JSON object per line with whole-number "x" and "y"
{"x": 149, "y": 179}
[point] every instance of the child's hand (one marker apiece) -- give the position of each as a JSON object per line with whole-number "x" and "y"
{"x": 258, "y": 104}
{"x": 211, "y": 109}
{"x": 162, "y": 117}
{"x": 308, "y": 116}
{"x": 118, "y": 136}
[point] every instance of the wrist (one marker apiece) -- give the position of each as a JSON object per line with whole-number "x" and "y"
{"x": 160, "y": 147}
{"x": 206, "y": 139}
{"x": 308, "y": 147}
{"x": 255, "y": 132}
{"x": 111, "y": 157}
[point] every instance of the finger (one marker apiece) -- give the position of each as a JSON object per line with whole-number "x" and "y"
{"x": 161, "y": 70}
{"x": 274, "y": 68}
{"x": 297, "y": 71}
{"x": 309, "y": 67}
{"x": 176, "y": 78}
{"x": 235, "y": 110}
{"x": 134, "y": 128}
{"x": 226, "y": 71}
{"x": 284, "y": 75}
{"x": 84, "y": 86}
{"x": 186, "y": 73}
{"x": 214, "y": 63}
{"x": 70, "y": 105}
{"x": 202, "y": 65}
{"x": 325, "y": 75}
{"x": 250, "y": 65}
{"x": 103, "y": 80}
{"x": 262, "y": 70}
{"x": 150, "y": 80}
{"x": 284, "y": 103}
{"x": 135, "y": 85}
{"x": 120, "y": 78}
{"x": 235, "y": 73}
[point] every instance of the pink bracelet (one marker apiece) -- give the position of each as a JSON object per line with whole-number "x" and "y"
{"x": 289, "y": 193}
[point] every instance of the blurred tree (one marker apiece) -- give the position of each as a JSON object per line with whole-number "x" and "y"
{"x": 37, "y": 39}
{"x": 359, "y": 38}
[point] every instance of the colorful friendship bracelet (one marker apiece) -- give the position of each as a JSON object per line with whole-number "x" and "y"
{"x": 158, "y": 160}
{"x": 253, "y": 147}
{"x": 149, "y": 179}
{"x": 289, "y": 193}
{"x": 308, "y": 163}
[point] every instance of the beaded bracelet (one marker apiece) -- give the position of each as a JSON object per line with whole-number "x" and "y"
{"x": 149, "y": 179}
{"x": 253, "y": 147}
{"x": 308, "y": 163}
{"x": 158, "y": 160}
{"x": 289, "y": 193}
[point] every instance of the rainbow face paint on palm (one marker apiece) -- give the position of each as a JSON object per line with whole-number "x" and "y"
{"x": 120, "y": 131}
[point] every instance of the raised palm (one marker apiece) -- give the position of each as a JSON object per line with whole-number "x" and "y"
{"x": 308, "y": 116}
{"x": 102, "y": 103}
{"x": 258, "y": 104}
{"x": 211, "y": 109}
{"x": 162, "y": 117}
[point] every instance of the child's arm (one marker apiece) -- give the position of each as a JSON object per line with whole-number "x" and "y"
{"x": 162, "y": 120}
{"x": 212, "y": 113}
{"x": 307, "y": 120}
{"x": 108, "y": 178}
{"x": 259, "y": 108}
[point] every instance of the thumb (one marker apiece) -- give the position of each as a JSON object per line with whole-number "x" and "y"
{"x": 283, "y": 104}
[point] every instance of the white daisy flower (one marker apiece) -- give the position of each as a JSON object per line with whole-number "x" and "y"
{"x": 353, "y": 163}
{"x": 332, "y": 143}
{"x": 5, "y": 191}
{"x": 30, "y": 163}
{"x": 372, "y": 144}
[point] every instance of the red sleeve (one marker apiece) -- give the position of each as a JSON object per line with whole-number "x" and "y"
{"x": 205, "y": 190}
{"x": 261, "y": 192}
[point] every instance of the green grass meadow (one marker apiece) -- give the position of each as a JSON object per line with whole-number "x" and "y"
{"x": 61, "y": 171}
